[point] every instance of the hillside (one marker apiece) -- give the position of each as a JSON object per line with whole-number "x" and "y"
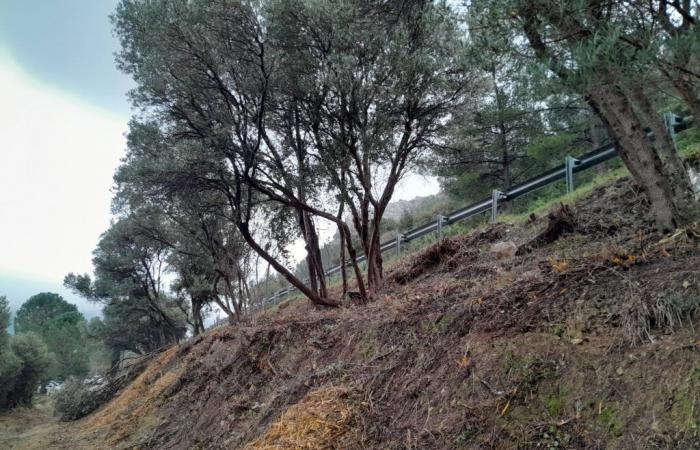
{"x": 415, "y": 206}
{"x": 559, "y": 346}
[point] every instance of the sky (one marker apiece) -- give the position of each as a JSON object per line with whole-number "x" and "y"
{"x": 63, "y": 115}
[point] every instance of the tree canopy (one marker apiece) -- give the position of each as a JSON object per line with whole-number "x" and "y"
{"x": 59, "y": 325}
{"x": 24, "y": 361}
{"x": 258, "y": 123}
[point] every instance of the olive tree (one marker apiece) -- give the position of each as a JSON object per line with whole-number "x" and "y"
{"x": 373, "y": 85}
{"x": 593, "y": 49}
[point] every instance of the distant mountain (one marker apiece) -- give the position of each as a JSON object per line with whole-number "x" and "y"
{"x": 415, "y": 206}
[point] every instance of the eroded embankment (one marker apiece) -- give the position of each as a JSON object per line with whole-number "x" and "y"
{"x": 581, "y": 341}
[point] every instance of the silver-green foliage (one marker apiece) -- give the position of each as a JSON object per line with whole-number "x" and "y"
{"x": 24, "y": 360}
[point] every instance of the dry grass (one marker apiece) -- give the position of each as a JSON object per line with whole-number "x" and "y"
{"x": 319, "y": 421}
{"x": 665, "y": 314}
{"x": 138, "y": 401}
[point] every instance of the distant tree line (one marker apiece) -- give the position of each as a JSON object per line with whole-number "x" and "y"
{"x": 51, "y": 342}
{"x": 257, "y": 120}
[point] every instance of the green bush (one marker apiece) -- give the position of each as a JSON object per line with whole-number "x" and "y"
{"x": 4, "y": 323}
{"x": 33, "y": 357}
{"x": 688, "y": 141}
{"x": 10, "y": 368}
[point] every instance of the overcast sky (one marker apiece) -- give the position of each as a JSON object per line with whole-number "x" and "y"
{"x": 63, "y": 115}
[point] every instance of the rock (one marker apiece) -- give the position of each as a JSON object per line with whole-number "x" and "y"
{"x": 577, "y": 341}
{"x": 531, "y": 275}
{"x": 695, "y": 182}
{"x": 503, "y": 250}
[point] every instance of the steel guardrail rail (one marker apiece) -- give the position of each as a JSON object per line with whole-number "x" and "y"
{"x": 586, "y": 161}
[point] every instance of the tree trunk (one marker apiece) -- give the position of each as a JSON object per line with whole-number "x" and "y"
{"x": 353, "y": 259}
{"x": 197, "y": 321}
{"x": 665, "y": 147}
{"x": 314, "y": 261}
{"x": 315, "y": 251}
{"x": 289, "y": 276}
{"x": 626, "y": 127}
{"x": 229, "y": 314}
{"x": 675, "y": 173}
{"x": 637, "y": 152}
{"x": 375, "y": 276}
{"x": 341, "y": 234}
{"x": 343, "y": 269}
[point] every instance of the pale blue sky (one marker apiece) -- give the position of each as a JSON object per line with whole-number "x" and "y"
{"x": 62, "y": 121}
{"x": 68, "y": 44}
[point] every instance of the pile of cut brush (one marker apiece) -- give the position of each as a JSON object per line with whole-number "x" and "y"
{"x": 79, "y": 397}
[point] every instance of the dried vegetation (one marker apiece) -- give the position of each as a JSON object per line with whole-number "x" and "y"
{"x": 584, "y": 341}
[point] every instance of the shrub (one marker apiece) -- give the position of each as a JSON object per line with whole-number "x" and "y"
{"x": 666, "y": 314}
{"x": 10, "y": 368}
{"x": 33, "y": 358}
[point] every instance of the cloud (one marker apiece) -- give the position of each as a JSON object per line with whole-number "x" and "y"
{"x": 57, "y": 158}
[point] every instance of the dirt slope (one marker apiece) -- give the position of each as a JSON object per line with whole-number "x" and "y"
{"x": 583, "y": 342}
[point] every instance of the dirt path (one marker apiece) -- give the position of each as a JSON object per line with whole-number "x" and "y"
{"x": 34, "y": 428}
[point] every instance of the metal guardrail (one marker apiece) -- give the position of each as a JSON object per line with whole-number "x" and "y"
{"x": 564, "y": 171}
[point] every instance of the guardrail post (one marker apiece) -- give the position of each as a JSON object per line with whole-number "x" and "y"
{"x": 440, "y": 221}
{"x": 671, "y": 121}
{"x": 570, "y": 162}
{"x": 496, "y": 195}
{"x": 399, "y": 238}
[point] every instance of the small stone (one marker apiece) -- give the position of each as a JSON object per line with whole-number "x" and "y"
{"x": 577, "y": 341}
{"x": 531, "y": 275}
{"x": 503, "y": 250}
{"x": 686, "y": 284}
{"x": 257, "y": 406}
{"x": 619, "y": 371}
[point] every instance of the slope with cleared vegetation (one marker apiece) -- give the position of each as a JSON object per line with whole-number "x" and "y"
{"x": 583, "y": 338}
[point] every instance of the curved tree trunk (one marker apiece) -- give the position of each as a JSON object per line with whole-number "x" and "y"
{"x": 197, "y": 320}
{"x": 286, "y": 273}
{"x": 638, "y": 153}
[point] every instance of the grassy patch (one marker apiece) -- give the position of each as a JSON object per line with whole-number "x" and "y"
{"x": 467, "y": 435}
{"x": 688, "y": 142}
{"x": 686, "y": 404}
{"x": 556, "y": 403}
{"x": 544, "y": 204}
{"x": 439, "y": 326}
{"x": 553, "y": 439}
{"x": 610, "y": 418}
{"x": 368, "y": 345}
{"x": 521, "y": 375}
